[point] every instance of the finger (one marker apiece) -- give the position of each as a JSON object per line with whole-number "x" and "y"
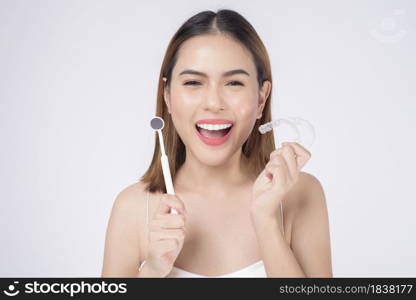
{"x": 164, "y": 246}
{"x": 276, "y": 172}
{"x": 303, "y": 155}
{"x": 274, "y": 153}
{"x": 279, "y": 179}
{"x": 173, "y": 234}
{"x": 277, "y": 151}
{"x": 166, "y": 234}
{"x": 289, "y": 155}
{"x": 170, "y": 201}
{"x": 168, "y": 221}
{"x": 280, "y": 160}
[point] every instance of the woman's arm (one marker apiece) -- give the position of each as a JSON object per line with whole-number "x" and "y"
{"x": 122, "y": 249}
{"x": 310, "y": 253}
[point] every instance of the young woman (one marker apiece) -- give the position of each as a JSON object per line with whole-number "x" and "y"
{"x": 231, "y": 184}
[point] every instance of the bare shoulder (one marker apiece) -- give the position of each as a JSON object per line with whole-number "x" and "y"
{"x": 122, "y": 252}
{"x": 131, "y": 204}
{"x": 309, "y": 191}
{"x": 130, "y": 196}
{"x": 310, "y": 232}
{"x": 296, "y": 200}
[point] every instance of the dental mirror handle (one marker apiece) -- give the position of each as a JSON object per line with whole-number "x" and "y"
{"x": 168, "y": 178}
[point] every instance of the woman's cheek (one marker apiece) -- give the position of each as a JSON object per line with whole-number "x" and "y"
{"x": 182, "y": 115}
{"x": 246, "y": 119}
{"x": 246, "y": 110}
{"x": 182, "y": 105}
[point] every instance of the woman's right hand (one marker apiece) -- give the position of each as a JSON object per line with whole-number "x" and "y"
{"x": 166, "y": 235}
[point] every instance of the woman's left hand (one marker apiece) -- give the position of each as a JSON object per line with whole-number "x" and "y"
{"x": 278, "y": 177}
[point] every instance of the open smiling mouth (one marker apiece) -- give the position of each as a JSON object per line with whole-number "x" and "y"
{"x": 214, "y": 135}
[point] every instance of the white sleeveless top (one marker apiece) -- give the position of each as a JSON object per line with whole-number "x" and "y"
{"x": 254, "y": 270}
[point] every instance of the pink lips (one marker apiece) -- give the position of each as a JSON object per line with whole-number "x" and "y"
{"x": 214, "y": 142}
{"x": 214, "y": 121}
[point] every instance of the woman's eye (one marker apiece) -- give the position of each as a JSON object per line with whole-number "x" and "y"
{"x": 235, "y": 83}
{"x": 193, "y": 82}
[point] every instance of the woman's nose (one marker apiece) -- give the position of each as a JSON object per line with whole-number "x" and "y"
{"x": 214, "y": 101}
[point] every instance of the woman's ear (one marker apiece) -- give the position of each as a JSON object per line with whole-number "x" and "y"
{"x": 166, "y": 93}
{"x": 264, "y": 94}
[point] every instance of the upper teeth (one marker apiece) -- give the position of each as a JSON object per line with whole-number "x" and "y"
{"x": 214, "y": 126}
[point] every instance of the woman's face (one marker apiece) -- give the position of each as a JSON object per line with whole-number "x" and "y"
{"x": 202, "y": 92}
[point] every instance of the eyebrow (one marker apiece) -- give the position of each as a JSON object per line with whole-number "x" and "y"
{"x": 225, "y": 74}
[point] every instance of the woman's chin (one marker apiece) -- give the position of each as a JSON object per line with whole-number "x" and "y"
{"x": 213, "y": 158}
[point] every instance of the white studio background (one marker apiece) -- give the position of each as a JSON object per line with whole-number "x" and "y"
{"x": 78, "y": 87}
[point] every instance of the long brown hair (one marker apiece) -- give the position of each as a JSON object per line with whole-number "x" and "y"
{"x": 257, "y": 147}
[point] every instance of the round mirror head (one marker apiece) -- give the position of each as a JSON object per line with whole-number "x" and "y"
{"x": 157, "y": 123}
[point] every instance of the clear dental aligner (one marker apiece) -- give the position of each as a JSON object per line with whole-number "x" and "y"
{"x": 270, "y": 125}
{"x": 305, "y": 136}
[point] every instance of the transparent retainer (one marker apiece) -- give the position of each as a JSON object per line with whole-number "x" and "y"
{"x": 302, "y": 131}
